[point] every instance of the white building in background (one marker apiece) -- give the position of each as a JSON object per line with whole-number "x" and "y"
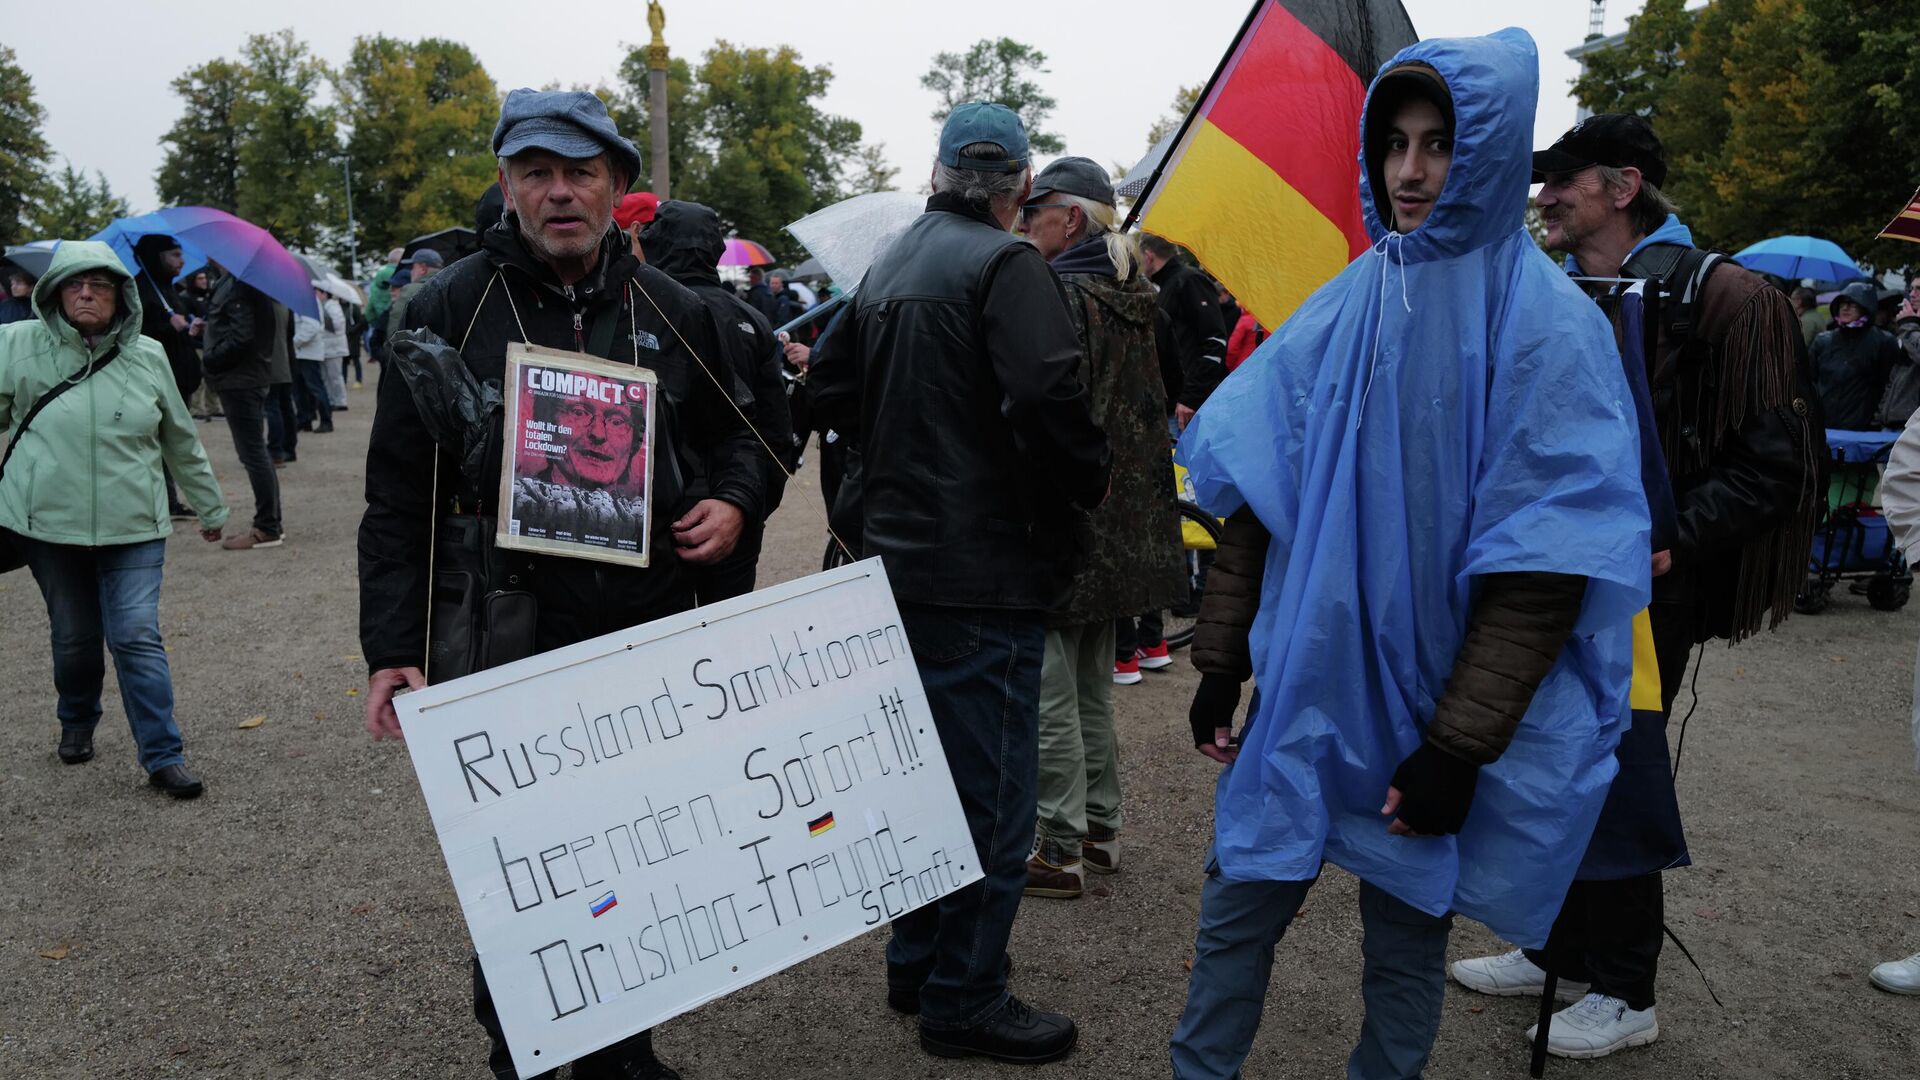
{"x": 1589, "y": 47}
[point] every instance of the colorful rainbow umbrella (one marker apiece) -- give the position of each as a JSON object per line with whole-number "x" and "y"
{"x": 248, "y": 251}
{"x": 745, "y": 253}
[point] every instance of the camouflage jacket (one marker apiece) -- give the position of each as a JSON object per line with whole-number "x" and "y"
{"x": 1136, "y": 563}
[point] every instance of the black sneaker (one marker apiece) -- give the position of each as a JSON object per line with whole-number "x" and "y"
{"x": 176, "y": 781}
{"x": 1017, "y": 1034}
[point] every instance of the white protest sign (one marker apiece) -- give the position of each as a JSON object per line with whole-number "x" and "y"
{"x": 640, "y": 823}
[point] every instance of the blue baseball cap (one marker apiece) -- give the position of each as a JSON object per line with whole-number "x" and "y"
{"x": 571, "y": 123}
{"x": 983, "y": 122}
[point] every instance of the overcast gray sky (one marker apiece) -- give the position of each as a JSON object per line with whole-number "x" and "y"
{"x": 103, "y": 69}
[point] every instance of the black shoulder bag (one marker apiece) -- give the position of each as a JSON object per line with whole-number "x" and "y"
{"x": 12, "y": 556}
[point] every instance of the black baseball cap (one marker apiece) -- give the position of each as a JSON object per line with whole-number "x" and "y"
{"x": 1074, "y": 176}
{"x": 1616, "y": 140}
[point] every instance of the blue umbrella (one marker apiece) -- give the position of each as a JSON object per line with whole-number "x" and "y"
{"x": 1797, "y": 257}
{"x": 246, "y": 250}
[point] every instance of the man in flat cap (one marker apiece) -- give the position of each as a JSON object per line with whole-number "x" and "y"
{"x": 555, "y": 272}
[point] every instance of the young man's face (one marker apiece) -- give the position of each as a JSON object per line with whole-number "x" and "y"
{"x": 1419, "y": 151}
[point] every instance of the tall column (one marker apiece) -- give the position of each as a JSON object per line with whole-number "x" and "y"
{"x": 657, "y": 95}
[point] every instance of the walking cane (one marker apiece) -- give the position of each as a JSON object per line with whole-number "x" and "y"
{"x": 1538, "y": 1067}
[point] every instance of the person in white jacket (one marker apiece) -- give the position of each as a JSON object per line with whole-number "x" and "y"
{"x": 1900, "y": 501}
{"x": 333, "y": 343}
{"x": 310, "y": 363}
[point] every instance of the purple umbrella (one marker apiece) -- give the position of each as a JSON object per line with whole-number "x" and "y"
{"x": 246, "y": 250}
{"x": 745, "y": 253}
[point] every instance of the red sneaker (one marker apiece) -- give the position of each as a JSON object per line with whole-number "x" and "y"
{"x": 1126, "y": 672}
{"x": 1154, "y": 657}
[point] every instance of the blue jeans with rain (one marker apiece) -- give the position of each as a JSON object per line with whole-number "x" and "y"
{"x": 110, "y": 596}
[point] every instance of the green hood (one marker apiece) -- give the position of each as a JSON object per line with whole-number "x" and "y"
{"x": 74, "y": 257}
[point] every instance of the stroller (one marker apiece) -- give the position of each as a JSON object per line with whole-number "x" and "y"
{"x": 1854, "y": 543}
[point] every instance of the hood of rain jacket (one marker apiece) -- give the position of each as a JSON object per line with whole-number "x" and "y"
{"x": 88, "y": 470}
{"x": 1449, "y": 406}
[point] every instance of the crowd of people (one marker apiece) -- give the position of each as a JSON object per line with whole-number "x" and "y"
{"x": 1470, "y": 715}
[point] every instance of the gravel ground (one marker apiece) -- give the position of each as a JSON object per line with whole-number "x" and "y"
{"x": 297, "y": 921}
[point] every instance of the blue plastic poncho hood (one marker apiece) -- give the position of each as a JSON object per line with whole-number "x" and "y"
{"x": 1449, "y": 406}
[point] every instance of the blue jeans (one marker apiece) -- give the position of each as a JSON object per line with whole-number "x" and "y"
{"x": 981, "y": 671}
{"x": 311, "y": 378}
{"x": 1402, "y": 983}
{"x": 110, "y": 593}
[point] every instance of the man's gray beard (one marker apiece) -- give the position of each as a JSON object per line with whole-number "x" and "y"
{"x": 549, "y": 254}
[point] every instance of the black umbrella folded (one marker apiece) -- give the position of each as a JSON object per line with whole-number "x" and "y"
{"x": 456, "y": 409}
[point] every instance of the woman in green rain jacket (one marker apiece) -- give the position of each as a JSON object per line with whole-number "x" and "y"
{"x": 84, "y": 495}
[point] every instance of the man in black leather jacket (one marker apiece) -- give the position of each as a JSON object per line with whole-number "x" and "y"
{"x": 979, "y": 454}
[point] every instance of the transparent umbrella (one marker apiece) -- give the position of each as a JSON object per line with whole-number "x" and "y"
{"x": 848, "y": 236}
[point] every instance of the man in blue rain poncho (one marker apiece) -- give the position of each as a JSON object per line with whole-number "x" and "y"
{"x": 1442, "y": 444}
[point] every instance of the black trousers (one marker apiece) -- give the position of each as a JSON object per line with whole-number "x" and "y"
{"x": 1129, "y": 634}
{"x": 1609, "y": 933}
{"x": 604, "y": 1062}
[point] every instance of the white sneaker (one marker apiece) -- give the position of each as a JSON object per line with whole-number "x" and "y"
{"x": 1898, "y": 976}
{"x": 1596, "y": 1026}
{"x": 1511, "y": 975}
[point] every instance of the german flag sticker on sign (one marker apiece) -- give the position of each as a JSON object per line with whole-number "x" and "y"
{"x": 820, "y": 824}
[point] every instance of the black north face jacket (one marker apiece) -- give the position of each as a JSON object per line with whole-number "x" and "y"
{"x": 480, "y": 305}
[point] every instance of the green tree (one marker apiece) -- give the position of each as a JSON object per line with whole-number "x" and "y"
{"x": 1862, "y": 67}
{"x": 747, "y": 137}
{"x": 24, "y": 153}
{"x": 287, "y": 183}
{"x": 202, "y": 162}
{"x": 74, "y": 207}
{"x": 1778, "y": 116}
{"x": 871, "y": 171}
{"x": 776, "y": 156}
{"x": 1635, "y": 76}
{"x": 1185, "y": 99}
{"x": 421, "y": 116}
{"x": 996, "y": 70}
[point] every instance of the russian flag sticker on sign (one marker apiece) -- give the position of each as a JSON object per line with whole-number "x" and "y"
{"x": 603, "y": 905}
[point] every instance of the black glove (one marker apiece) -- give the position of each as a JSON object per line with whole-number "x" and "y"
{"x": 1436, "y": 790}
{"x": 1213, "y": 706}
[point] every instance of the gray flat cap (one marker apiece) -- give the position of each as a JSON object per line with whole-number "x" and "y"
{"x": 571, "y": 123}
{"x": 1075, "y": 176}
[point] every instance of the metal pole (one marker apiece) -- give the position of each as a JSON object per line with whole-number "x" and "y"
{"x": 353, "y": 237}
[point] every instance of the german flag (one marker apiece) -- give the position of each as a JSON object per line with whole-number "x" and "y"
{"x": 820, "y": 824}
{"x": 1906, "y": 224}
{"x": 1263, "y": 183}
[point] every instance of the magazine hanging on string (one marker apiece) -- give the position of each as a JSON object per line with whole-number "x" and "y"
{"x": 574, "y": 479}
